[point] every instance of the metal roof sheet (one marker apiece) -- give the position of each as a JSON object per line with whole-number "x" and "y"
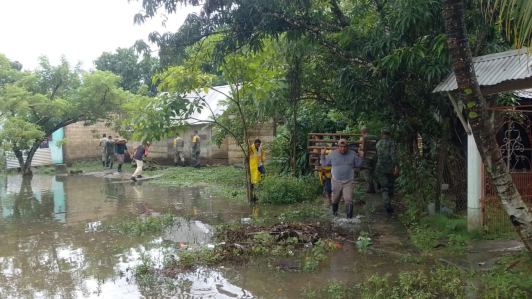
{"x": 214, "y": 98}
{"x": 495, "y": 68}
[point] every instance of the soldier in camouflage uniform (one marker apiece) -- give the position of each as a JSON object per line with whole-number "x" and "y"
{"x": 103, "y": 141}
{"x": 370, "y": 148}
{"x": 109, "y": 152}
{"x": 387, "y": 167}
{"x": 179, "y": 144}
{"x": 196, "y": 149}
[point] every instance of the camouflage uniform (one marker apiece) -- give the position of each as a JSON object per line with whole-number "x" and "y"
{"x": 109, "y": 152}
{"x": 386, "y": 162}
{"x": 368, "y": 172}
{"x": 179, "y": 144}
{"x": 196, "y": 149}
{"x": 103, "y": 141}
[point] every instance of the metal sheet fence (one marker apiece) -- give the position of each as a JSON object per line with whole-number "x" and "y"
{"x": 494, "y": 217}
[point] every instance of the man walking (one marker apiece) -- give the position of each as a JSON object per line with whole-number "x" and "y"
{"x": 102, "y": 144}
{"x": 109, "y": 152}
{"x": 387, "y": 167}
{"x": 179, "y": 144}
{"x": 120, "y": 149}
{"x": 196, "y": 149}
{"x": 139, "y": 153}
{"x": 370, "y": 148}
{"x": 342, "y": 161}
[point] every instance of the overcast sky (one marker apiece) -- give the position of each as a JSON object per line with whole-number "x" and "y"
{"x": 80, "y": 29}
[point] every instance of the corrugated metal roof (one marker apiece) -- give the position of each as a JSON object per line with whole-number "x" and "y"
{"x": 213, "y": 98}
{"x": 495, "y": 68}
{"x": 524, "y": 93}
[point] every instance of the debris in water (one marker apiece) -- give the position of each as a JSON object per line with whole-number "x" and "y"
{"x": 245, "y": 220}
{"x": 285, "y": 265}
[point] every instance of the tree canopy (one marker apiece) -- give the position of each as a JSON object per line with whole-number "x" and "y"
{"x": 33, "y": 105}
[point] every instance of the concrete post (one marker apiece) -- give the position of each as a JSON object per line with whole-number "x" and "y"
{"x": 474, "y": 185}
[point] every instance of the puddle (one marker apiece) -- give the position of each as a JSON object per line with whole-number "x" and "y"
{"x": 51, "y": 246}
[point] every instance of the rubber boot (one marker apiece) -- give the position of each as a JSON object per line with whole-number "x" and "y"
{"x": 335, "y": 209}
{"x": 349, "y": 211}
{"x": 388, "y": 207}
{"x": 119, "y": 167}
{"x": 103, "y": 163}
{"x": 184, "y": 165}
{"x": 371, "y": 190}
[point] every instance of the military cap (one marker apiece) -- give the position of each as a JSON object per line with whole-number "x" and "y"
{"x": 386, "y": 131}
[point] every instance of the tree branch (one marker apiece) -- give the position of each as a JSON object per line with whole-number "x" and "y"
{"x": 321, "y": 40}
{"x": 344, "y": 21}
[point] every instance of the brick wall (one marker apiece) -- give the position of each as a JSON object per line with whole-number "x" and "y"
{"x": 83, "y": 141}
{"x": 83, "y": 145}
{"x": 264, "y": 132}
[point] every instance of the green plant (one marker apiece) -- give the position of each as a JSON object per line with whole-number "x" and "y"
{"x": 146, "y": 225}
{"x": 287, "y": 190}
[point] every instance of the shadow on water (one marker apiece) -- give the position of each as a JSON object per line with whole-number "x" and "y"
{"x": 51, "y": 247}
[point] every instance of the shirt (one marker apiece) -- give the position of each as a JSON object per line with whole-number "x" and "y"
{"x": 387, "y": 158}
{"x": 120, "y": 149}
{"x": 342, "y": 164}
{"x": 140, "y": 152}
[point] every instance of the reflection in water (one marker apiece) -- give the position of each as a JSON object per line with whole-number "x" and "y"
{"x": 51, "y": 246}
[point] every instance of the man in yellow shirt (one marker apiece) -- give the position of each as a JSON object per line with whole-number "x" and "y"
{"x": 196, "y": 149}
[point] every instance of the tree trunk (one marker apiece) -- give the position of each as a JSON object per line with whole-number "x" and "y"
{"x": 294, "y": 143}
{"x": 249, "y": 187}
{"x": 26, "y": 169}
{"x": 468, "y": 87}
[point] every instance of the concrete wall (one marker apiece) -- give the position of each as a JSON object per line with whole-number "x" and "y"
{"x": 82, "y": 144}
{"x": 264, "y": 132}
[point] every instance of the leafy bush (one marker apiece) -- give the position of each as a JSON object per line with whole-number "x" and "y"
{"x": 287, "y": 190}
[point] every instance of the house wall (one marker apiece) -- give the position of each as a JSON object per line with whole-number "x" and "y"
{"x": 264, "y": 132}
{"x": 83, "y": 141}
{"x": 83, "y": 145}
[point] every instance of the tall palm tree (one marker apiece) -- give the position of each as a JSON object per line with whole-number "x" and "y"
{"x": 454, "y": 14}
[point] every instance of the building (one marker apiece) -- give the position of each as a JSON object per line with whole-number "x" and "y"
{"x": 83, "y": 141}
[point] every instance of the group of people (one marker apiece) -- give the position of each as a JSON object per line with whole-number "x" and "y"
{"x": 337, "y": 169}
{"x": 179, "y": 150}
{"x": 111, "y": 148}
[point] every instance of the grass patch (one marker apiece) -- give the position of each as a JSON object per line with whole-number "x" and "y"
{"x": 144, "y": 226}
{"x": 223, "y": 181}
{"x": 441, "y": 282}
{"x": 287, "y": 189}
{"x": 441, "y": 234}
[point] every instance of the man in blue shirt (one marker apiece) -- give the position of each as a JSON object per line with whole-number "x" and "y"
{"x": 120, "y": 149}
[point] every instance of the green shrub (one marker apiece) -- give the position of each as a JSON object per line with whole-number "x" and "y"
{"x": 287, "y": 190}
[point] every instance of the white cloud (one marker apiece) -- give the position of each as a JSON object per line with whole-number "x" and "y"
{"x": 80, "y": 29}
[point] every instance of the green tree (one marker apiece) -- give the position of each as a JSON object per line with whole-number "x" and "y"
{"x": 479, "y": 119}
{"x": 37, "y": 104}
{"x": 135, "y": 73}
{"x": 251, "y": 77}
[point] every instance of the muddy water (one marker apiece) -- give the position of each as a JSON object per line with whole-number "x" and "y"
{"x": 50, "y": 246}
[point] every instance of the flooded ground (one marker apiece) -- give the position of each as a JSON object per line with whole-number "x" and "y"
{"x": 51, "y": 247}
